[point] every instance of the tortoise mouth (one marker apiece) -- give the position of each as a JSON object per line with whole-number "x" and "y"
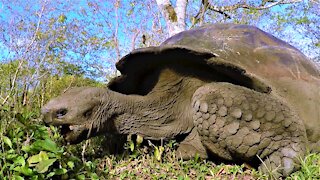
{"x": 74, "y": 134}
{"x": 65, "y": 129}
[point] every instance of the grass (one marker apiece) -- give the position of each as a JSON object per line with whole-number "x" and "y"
{"x": 29, "y": 150}
{"x": 144, "y": 164}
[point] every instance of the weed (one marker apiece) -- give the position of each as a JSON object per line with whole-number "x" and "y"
{"x": 30, "y": 150}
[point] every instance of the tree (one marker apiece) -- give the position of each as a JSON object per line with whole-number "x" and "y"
{"x": 175, "y": 17}
{"x": 41, "y": 42}
{"x": 41, "y": 39}
{"x": 279, "y": 17}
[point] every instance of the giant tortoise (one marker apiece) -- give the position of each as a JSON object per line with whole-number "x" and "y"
{"x": 233, "y": 92}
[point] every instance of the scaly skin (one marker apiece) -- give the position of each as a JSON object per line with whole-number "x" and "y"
{"x": 237, "y": 123}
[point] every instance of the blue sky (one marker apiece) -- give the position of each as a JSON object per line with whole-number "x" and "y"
{"x": 13, "y": 11}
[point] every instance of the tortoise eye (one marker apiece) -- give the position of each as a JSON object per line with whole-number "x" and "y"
{"x": 61, "y": 112}
{"x": 87, "y": 113}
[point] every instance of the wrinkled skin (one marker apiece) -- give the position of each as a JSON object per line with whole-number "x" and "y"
{"x": 74, "y": 111}
{"x": 218, "y": 102}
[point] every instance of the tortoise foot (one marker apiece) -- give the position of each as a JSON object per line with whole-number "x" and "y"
{"x": 191, "y": 147}
{"x": 283, "y": 161}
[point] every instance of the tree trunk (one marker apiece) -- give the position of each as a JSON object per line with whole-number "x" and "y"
{"x": 174, "y": 17}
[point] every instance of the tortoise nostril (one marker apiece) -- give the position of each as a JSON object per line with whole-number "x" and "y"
{"x": 61, "y": 112}
{"x": 87, "y": 113}
{"x": 45, "y": 111}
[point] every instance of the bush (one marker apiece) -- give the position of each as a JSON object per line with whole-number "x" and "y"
{"x": 32, "y": 150}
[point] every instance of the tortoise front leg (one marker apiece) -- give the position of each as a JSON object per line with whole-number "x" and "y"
{"x": 191, "y": 146}
{"x": 235, "y": 122}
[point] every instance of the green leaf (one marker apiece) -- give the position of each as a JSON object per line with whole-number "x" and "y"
{"x": 44, "y": 165}
{"x": 16, "y": 177}
{"x": 43, "y": 155}
{"x": 70, "y": 164}
{"x": 7, "y": 141}
{"x": 89, "y": 165}
{"x": 94, "y": 176}
{"x": 11, "y": 151}
{"x": 26, "y": 148}
{"x": 24, "y": 170}
{"x": 161, "y": 149}
{"x": 139, "y": 139}
{"x": 41, "y": 132}
{"x": 53, "y": 155}
{"x": 46, "y": 144}
{"x": 37, "y": 177}
{"x": 81, "y": 177}
{"x": 158, "y": 152}
{"x": 20, "y": 161}
{"x": 62, "y": 18}
{"x": 33, "y": 160}
{"x": 51, "y": 174}
{"x": 131, "y": 146}
{"x": 11, "y": 156}
{"x": 60, "y": 171}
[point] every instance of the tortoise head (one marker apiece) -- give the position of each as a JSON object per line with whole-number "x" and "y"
{"x": 73, "y": 111}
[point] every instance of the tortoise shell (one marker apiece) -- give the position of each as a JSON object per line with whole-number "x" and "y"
{"x": 245, "y": 54}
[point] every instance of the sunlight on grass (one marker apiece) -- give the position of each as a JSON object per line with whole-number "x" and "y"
{"x": 31, "y": 150}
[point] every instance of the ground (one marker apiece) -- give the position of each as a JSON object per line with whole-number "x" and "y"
{"x": 30, "y": 150}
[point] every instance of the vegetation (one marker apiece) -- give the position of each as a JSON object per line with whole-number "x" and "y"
{"x": 30, "y": 150}
{"x": 47, "y": 47}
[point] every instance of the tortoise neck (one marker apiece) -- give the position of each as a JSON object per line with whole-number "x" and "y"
{"x": 162, "y": 113}
{"x": 149, "y": 116}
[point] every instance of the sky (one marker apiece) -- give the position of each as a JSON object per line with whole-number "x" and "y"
{"x": 13, "y": 12}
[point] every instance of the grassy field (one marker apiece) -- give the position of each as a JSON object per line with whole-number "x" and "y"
{"x": 30, "y": 150}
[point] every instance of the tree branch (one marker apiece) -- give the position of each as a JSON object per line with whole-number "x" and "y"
{"x": 265, "y": 4}
{"x": 134, "y": 37}
{"x": 37, "y": 27}
{"x": 15, "y": 76}
{"x": 200, "y": 15}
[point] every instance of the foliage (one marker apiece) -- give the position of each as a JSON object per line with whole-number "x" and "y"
{"x": 45, "y": 39}
{"x": 58, "y": 85}
{"x": 310, "y": 168}
{"x": 47, "y": 47}
{"x": 26, "y": 93}
{"x": 30, "y": 150}
{"x": 26, "y": 149}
